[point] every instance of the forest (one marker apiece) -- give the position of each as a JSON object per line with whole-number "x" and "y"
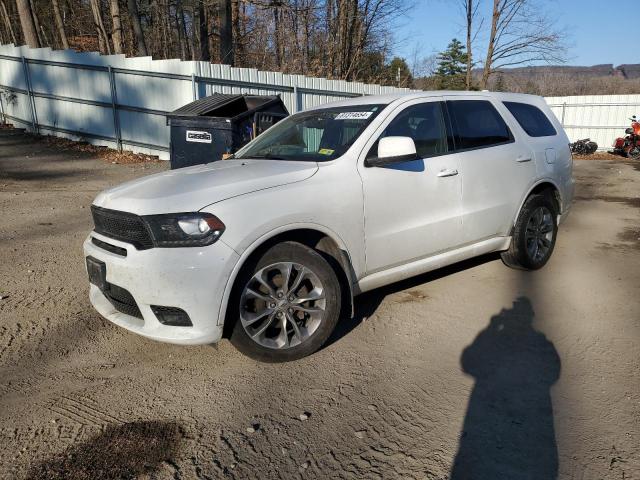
{"x": 351, "y": 40}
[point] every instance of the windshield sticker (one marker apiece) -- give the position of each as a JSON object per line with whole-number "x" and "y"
{"x": 353, "y": 115}
{"x": 325, "y": 151}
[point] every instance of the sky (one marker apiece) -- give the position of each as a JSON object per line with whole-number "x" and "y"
{"x": 599, "y": 31}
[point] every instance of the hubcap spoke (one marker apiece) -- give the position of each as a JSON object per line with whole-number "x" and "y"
{"x": 284, "y": 335}
{"x": 258, "y": 277}
{"x": 259, "y": 295}
{"x": 294, "y": 325}
{"x": 315, "y": 294}
{"x": 264, "y": 327}
{"x": 248, "y": 320}
{"x": 286, "y": 276}
{"x": 302, "y": 308}
{"x": 301, "y": 275}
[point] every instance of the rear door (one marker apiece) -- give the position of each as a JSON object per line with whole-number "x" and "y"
{"x": 496, "y": 166}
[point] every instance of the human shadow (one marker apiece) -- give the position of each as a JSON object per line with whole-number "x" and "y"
{"x": 120, "y": 451}
{"x": 508, "y": 430}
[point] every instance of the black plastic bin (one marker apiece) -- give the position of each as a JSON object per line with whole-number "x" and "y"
{"x": 207, "y": 129}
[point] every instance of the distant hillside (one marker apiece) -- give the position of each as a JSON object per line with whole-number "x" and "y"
{"x": 563, "y": 80}
{"x": 626, "y": 71}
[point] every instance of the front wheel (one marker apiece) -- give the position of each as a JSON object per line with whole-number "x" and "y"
{"x": 286, "y": 305}
{"x": 534, "y": 234}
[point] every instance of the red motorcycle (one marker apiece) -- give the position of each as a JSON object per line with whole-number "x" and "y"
{"x": 629, "y": 145}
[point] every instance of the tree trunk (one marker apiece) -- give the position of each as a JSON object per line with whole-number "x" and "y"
{"x": 204, "y": 33}
{"x": 103, "y": 39}
{"x": 132, "y": 6}
{"x": 277, "y": 34}
{"x": 237, "y": 41}
{"x": 39, "y": 30}
{"x": 60, "y": 24}
{"x": 7, "y": 21}
{"x": 226, "y": 32}
{"x": 183, "y": 36}
{"x": 28, "y": 25}
{"x": 116, "y": 34}
{"x": 469, "y": 38}
{"x": 492, "y": 44}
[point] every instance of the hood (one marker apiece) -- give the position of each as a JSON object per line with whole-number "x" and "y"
{"x": 193, "y": 188}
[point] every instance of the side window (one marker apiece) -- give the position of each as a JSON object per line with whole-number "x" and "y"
{"x": 425, "y": 124}
{"x": 531, "y": 119}
{"x": 477, "y": 124}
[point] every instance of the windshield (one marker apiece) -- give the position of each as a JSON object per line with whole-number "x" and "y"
{"x": 316, "y": 136}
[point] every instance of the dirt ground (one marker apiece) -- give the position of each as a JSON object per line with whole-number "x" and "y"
{"x": 474, "y": 372}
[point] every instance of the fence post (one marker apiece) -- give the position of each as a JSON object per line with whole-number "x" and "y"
{"x": 114, "y": 108}
{"x": 4, "y": 119}
{"x": 296, "y": 99}
{"x": 194, "y": 87}
{"x": 32, "y": 103}
{"x": 564, "y": 107}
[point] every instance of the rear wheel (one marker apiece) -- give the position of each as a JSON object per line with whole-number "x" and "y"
{"x": 286, "y": 305}
{"x": 534, "y": 234}
{"x": 634, "y": 153}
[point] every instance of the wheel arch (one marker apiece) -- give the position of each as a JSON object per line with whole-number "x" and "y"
{"x": 315, "y": 236}
{"x": 541, "y": 186}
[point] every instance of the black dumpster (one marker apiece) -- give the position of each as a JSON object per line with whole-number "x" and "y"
{"x": 207, "y": 129}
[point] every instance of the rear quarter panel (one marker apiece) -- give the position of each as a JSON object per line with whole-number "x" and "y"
{"x": 552, "y": 155}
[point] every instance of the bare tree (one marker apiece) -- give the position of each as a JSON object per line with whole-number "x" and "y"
{"x": 343, "y": 39}
{"x": 42, "y": 36}
{"x": 28, "y": 24}
{"x": 134, "y": 16}
{"x": 103, "y": 39}
{"x": 226, "y": 32}
{"x": 520, "y": 34}
{"x": 59, "y": 24}
{"x": 116, "y": 33}
{"x": 7, "y": 22}
{"x": 203, "y": 29}
{"x": 471, "y": 12}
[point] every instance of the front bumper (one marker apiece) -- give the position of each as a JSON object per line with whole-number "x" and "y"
{"x": 192, "y": 279}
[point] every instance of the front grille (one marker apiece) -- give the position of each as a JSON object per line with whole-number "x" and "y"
{"x": 122, "y": 300}
{"x": 123, "y": 226}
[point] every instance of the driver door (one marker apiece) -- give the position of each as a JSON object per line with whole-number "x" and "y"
{"x": 412, "y": 210}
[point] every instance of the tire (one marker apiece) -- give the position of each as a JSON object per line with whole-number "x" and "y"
{"x": 308, "y": 306}
{"x": 534, "y": 237}
{"x": 634, "y": 153}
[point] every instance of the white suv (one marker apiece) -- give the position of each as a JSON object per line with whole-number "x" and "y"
{"x": 270, "y": 247}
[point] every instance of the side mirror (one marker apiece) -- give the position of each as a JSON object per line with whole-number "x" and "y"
{"x": 393, "y": 150}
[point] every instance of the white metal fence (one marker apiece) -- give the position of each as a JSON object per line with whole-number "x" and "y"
{"x": 599, "y": 117}
{"x": 121, "y": 102}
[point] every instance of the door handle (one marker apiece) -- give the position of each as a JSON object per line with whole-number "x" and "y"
{"x": 447, "y": 172}
{"x": 522, "y": 159}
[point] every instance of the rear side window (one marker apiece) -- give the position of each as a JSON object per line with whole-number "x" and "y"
{"x": 531, "y": 119}
{"x": 477, "y": 124}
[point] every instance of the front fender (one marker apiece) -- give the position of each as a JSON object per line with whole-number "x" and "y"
{"x": 265, "y": 237}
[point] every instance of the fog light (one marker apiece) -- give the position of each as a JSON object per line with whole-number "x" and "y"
{"x": 171, "y": 316}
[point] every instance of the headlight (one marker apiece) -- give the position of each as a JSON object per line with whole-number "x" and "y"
{"x": 184, "y": 229}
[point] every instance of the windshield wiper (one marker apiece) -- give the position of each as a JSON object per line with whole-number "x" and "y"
{"x": 268, "y": 156}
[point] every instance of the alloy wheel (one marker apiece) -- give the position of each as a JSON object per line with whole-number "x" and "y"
{"x": 282, "y": 305}
{"x": 539, "y": 233}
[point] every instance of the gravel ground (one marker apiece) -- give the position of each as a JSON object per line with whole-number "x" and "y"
{"x": 477, "y": 371}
